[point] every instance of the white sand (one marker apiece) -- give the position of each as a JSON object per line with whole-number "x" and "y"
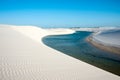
{"x": 108, "y": 37}
{"x": 24, "y": 57}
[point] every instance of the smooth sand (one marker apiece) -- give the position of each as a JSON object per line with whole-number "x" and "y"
{"x": 104, "y": 47}
{"x": 108, "y": 40}
{"x": 108, "y": 37}
{"x": 23, "y": 56}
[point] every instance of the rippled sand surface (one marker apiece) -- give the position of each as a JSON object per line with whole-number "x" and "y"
{"x": 23, "y": 58}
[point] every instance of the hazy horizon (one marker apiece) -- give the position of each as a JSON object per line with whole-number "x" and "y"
{"x": 60, "y": 13}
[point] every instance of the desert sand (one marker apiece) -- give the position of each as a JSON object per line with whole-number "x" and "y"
{"x": 108, "y": 40}
{"x": 23, "y": 56}
{"x": 109, "y": 37}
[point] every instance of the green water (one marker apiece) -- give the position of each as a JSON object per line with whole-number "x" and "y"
{"x": 76, "y": 46}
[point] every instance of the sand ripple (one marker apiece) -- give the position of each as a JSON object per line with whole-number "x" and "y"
{"x": 23, "y": 58}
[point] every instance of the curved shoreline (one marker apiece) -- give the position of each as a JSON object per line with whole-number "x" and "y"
{"x": 102, "y": 46}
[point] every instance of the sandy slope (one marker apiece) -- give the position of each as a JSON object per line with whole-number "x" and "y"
{"x": 24, "y": 57}
{"x": 109, "y": 37}
{"x": 108, "y": 40}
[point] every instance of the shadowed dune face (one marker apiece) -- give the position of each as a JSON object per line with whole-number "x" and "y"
{"x": 75, "y": 45}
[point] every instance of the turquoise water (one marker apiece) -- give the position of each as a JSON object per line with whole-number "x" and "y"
{"x": 76, "y": 46}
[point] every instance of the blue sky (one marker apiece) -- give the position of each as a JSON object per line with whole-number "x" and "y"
{"x": 60, "y": 13}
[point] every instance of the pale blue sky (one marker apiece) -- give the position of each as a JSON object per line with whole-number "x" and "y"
{"x": 60, "y": 13}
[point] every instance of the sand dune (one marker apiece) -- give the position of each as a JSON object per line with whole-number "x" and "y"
{"x": 23, "y": 56}
{"x": 108, "y": 40}
{"x": 109, "y": 37}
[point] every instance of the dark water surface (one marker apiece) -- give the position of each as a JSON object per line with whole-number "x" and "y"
{"x": 76, "y": 46}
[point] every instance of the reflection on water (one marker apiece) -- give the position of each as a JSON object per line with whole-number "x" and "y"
{"x": 75, "y": 45}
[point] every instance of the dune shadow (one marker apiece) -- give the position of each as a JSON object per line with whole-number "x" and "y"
{"x": 76, "y": 46}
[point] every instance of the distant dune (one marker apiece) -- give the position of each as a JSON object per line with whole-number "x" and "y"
{"x": 107, "y": 40}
